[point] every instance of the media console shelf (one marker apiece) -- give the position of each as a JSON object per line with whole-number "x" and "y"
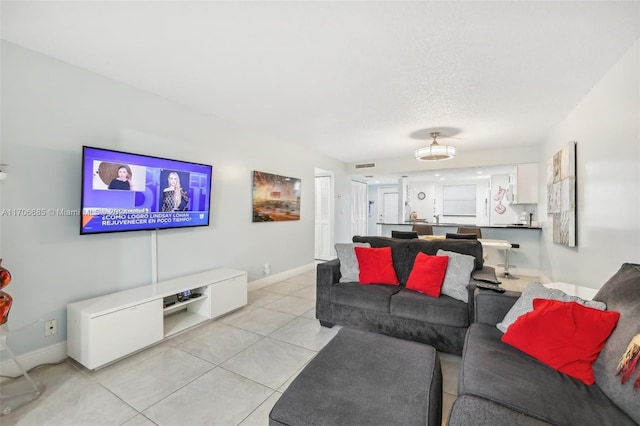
{"x": 106, "y": 328}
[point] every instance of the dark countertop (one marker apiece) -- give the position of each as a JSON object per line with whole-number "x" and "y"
{"x": 461, "y": 224}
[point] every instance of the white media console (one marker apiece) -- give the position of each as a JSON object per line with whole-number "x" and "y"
{"x": 106, "y": 328}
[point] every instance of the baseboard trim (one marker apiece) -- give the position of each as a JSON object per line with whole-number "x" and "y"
{"x": 47, "y": 355}
{"x": 272, "y": 279}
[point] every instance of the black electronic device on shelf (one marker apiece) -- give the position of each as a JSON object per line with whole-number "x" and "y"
{"x": 185, "y": 295}
{"x": 169, "y": 300}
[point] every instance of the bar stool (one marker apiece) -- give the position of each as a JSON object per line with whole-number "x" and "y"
{"x": 422, "y": 229}
{"x": 405, "y": 235}
{"x": 506, "y": 273}
{"x": 470, "y": 230}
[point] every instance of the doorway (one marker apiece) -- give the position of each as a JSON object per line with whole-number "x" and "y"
{"x": 388, "y": 199}
{"x": 323, "y": 215}
{"x": 358, "y": 208}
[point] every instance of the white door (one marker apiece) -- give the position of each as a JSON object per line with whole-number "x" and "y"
{"x": 322, "y": 219}
{"x": 358, "y": 208}
{"x": 388, "y": 198}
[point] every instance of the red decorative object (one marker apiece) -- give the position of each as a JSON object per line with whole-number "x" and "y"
{"x": 5, "y": 299}
{"x": 376, "y": 266}
{"x": 629, "y": 362}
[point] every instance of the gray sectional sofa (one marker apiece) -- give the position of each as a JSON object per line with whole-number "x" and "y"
{"x": 500, "y": 385}
{"x": 394, "y": 310}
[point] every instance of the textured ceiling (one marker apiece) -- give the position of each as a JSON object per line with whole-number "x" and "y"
{"x": 358, "y": 81}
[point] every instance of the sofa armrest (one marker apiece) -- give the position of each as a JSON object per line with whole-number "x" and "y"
{"x": 491, "y": 307}
{"x": 485, "y": 274}
{"x": 327, "y": 274}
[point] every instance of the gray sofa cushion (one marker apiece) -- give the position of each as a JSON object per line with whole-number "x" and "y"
{"x": 471, "y": 410}
{"x": 496, "y": 371}
{"x": 373, "y": 297}
{"x": 349, "y": 268}
{"x": 443, "y": 310}
{"x": 621, "y": 293}
{"x": 456, "y": 280}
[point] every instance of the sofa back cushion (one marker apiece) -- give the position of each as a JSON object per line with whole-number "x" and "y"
{"x": 431, "y": 247}
{"x": 621, "y": 294}
{"x": 404, "y": 252}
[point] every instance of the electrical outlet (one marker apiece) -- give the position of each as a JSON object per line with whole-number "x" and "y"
{"x": 50, "y": 327}
{"x": 267, "y": 269}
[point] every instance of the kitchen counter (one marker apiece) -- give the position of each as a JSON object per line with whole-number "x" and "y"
{"x": 526, "y": 258}
{"x": 457, "y": 224}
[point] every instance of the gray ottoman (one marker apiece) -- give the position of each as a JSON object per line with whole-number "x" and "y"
{"x": 362, "y": 378}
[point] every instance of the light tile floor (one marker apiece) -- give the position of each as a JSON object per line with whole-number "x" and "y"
{"x": 230, "y": 371}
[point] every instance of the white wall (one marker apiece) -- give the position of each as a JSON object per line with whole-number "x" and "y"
{"x": 49, "y": 110}
{"x": 606, "y": 126}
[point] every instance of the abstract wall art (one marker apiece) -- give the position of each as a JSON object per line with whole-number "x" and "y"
{"x": 275, "y": 197}
{"x": 561, "y": 195}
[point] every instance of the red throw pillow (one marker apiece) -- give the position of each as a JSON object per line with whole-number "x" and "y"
{"x": 427, "y": 274}
{"x": 376, "y": 266}
{"x": 564, "y": 335}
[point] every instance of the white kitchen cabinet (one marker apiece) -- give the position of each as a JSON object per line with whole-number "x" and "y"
{"x": 106, "y": 328}
{"x": 524, "y": 184}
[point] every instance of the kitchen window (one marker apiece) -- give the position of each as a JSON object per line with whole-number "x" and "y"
{"x": 459, "y": 200}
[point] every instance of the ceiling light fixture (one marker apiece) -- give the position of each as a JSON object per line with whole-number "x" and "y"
{"x": 435, "y": 151}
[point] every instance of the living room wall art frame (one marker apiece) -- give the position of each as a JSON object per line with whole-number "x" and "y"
{"x": 275, "y": 198}
{"x": 561, "y": 195}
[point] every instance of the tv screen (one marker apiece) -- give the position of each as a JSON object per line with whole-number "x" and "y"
{"x": 130, "y": 192}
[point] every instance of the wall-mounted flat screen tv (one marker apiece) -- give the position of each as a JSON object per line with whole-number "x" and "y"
{"x": 123, "y": 191}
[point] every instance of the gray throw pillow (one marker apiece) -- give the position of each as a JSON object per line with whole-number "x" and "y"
{"x": 456, "y": 280}
{"x": 535, "y": 290}
{"x": 349, "y": 268}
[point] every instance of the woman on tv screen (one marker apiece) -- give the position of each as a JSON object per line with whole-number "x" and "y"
{"x": 174, "y": 198}
{"x": 123, "y": 181}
